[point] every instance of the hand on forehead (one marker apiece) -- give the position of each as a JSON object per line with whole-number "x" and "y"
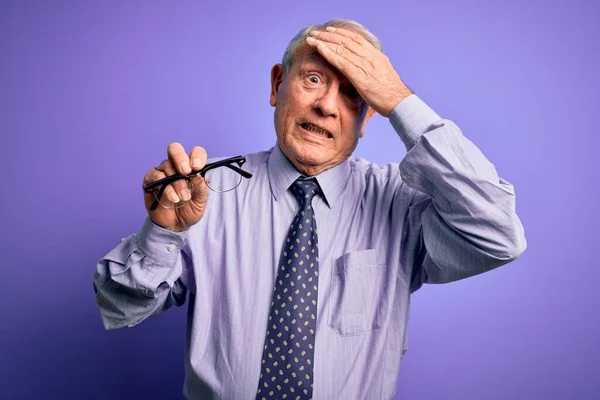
{"x": 364, "y": 64}
{"x": 306, "y": 54}
{"x": 346, "y": 36}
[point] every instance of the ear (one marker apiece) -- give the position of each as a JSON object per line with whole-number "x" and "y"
{"x": 277, "y": 76}
{"x": 370, "y": 113}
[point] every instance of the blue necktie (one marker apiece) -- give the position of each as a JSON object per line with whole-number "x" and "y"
{"x": 287, "y": 362}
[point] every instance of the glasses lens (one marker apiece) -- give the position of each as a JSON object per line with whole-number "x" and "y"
{"x": 222, "y": 179}
{"x": 165, "y": 202}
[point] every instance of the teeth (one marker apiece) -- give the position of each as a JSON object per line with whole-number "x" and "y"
{"x": 314, "y": 129}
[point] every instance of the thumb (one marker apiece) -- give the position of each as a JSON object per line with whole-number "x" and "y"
{"x": 200, "y": 192}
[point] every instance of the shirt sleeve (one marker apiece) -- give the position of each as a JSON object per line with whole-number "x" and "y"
{"x": 462, "y": 213}
{"x": 140, "y": 276}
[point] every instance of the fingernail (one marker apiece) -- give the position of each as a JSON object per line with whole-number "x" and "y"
{"x": 315, "y": 33}
{"x": 196, "y": 163}
{"x": 311, "y": 40}
{"x": 174, "y": 198}
{"x": 185, "y": 167}
{"x": 185, "y": 194}
{"x": 331, "y": 29}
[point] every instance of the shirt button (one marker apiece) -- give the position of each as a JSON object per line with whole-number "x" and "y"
{"x": 171, "y": 248}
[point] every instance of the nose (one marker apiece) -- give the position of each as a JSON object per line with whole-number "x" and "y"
{"x": 326, "y": 103}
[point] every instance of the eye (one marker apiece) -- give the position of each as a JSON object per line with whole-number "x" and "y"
{"x": 315, "y": 79}
{"x": 352, "y": 93}
{"x": 353, "y": 96}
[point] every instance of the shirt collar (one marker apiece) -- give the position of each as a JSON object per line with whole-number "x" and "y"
{"x": 282, "y": 174}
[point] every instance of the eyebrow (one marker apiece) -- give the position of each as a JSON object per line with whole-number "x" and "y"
{"x": 316, "y": 57}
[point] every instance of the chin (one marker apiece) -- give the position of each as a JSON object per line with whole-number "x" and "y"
{"x": 311, "y": 157}
{"x": 308, "y": 156}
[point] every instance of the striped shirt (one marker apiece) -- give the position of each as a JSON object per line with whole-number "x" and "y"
{"x": 440, "y": 215}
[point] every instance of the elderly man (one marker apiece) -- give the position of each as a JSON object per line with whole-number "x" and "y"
{"x": 300, "y": 275}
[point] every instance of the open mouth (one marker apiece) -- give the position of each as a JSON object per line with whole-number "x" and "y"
{"x": 314, "y": 129}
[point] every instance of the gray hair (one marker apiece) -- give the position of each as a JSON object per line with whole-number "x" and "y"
{"x": 290, "y": 50}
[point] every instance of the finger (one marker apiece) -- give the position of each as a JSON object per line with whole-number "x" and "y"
{"x": 200, "y": 192}
{"x": 177, "y": 190}
{"x": 198, "y": 158}
{"x": 153, "y": 175}
{"x": 344, "y": 41}
{"x": 341, "y": 58}
{"x": 358, "y": 38}
{"x": 179, "y": 158}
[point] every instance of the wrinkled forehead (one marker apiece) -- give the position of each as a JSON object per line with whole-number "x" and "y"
{"x": 305, "y": 53}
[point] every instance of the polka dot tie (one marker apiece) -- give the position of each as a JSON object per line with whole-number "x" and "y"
{"x": 287, "y": 362}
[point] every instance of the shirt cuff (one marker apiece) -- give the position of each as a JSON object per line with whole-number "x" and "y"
{"x": 159, "y": 244}
{"x": 411, "y": 118}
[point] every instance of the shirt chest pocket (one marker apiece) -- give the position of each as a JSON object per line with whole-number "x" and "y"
{"x": 358, "y": 296}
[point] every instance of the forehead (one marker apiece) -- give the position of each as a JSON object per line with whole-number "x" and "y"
{"x": 308, "y": 55}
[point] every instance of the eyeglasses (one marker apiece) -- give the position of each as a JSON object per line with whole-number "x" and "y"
{"x": 217, "y": 179}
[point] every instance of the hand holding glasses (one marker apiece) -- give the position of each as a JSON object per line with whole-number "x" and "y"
{"x": 224, "y": 180}
{"x": 176, "y": 198}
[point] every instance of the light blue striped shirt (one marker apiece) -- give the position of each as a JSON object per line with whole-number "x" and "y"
{"x": 440, "y": 215}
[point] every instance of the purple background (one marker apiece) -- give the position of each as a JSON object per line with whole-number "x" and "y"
{"x": 91, "y": 94}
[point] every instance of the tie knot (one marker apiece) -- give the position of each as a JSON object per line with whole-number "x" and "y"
{"x": 304, "y": 190}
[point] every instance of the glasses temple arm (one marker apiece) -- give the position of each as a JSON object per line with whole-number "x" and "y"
{"x": 157, "y": 197}
{"x": 240, "y": 171}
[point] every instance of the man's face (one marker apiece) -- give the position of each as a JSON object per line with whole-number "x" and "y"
{"x": 319, "y": 115}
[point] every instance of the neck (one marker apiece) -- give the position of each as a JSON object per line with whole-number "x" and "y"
{"x": 311, "y": 170}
